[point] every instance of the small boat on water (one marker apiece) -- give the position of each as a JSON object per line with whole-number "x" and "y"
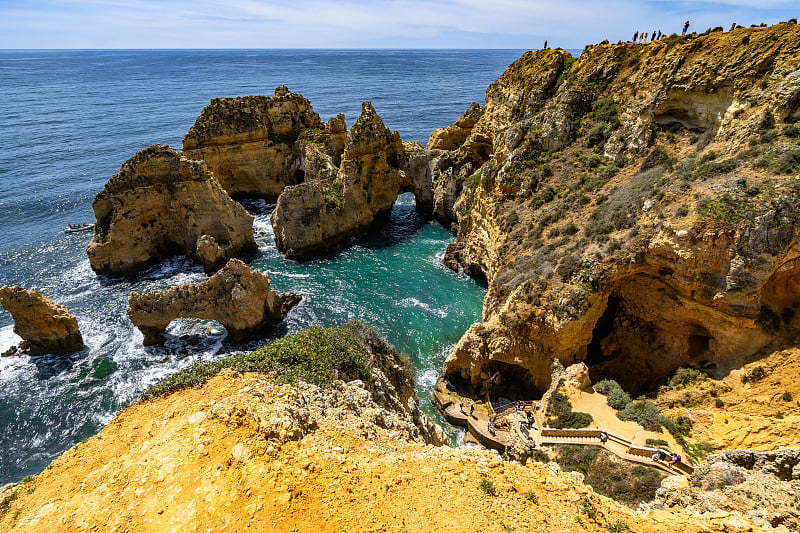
{"x": 74, "y": 228}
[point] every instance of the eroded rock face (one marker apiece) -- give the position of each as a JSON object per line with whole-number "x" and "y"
{"x": 161, "y": 204}
{"x": 597, "y": 243}
{"x": 45, "y": 326}
{"x": 761, "y": 485}
{"x": 250, "y": 142}
{"x": 319, "y": 214}
{"x": 238, "y": 298}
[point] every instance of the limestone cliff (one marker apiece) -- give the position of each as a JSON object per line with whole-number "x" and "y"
{"x": 238, "y": 298}
{"x": 245, "y": 453}
{"x": 634, "y": 208}
{"x": 337, "y": 202}
{"x": 44, "y": 325}
{"x": 250, "y": 142}
{"x": 161, "y": 204}
{"x": 764, "y": 485}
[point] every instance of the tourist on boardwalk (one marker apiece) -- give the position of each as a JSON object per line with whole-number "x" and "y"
{"x": 472, "y": 410}
{"x": 685, "y": 27}
{"x": 655, "y": 457}
{"x": 674, "y": 459}
{"x": 603, "y": 437}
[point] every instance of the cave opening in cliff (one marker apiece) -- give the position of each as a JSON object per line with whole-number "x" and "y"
{"x": 509, "y": 382}
{"x": 647, "y": 331}
{"x": 298, "y": 177}
{"x": 602, "y": 329}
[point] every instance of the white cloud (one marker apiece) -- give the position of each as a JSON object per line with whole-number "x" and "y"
{"x": 327, "y": 23}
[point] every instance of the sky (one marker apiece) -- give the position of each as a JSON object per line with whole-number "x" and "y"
{"x": 523, "y": 24}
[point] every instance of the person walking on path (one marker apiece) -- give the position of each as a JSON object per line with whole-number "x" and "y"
{"x": 685, "y": 27}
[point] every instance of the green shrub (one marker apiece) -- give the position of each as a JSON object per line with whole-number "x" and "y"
{"x": 658, "y": 157}
{"x": 540, "y": 456}
{"x": 315, "y": 355}
{"x": 727, "y": 209}
{"x": 758, "y": 373}
{"x": 559, "y": 404}
{"x": 609, "y": 476}
{"x": 616, "y": 397}
{"x": 487, "y": 486}
{"x": 792, "y": 130}
{"x": 656, "y": 443}
{"x": 786, "y": 396}
{"x": 645, "y": 413}
{"x": 719, "y": 404}
{"x": 787, "y": 163}
{"x": 589, "y": 508}
{"x": 5, "y": 505}
{"x": 605, "y": 110}
{"x": 573, "y": 420}
{"x": 685, "y": 376}
{"x": 531, "y": 496}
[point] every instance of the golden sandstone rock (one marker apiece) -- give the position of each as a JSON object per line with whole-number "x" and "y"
{"x": 679, "y": 246}
{"x": 238, "y": 298}
{"x": 161, "y": 204}
{"x": 318, "y": 215}
{"x": 44, "y": 325}
{"x": 249, "y": 142}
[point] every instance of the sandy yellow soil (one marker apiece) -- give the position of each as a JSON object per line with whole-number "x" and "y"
{"x": 172, "y": 464}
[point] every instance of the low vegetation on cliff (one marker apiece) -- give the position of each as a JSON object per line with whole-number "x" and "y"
{"x": 316, "y": 355}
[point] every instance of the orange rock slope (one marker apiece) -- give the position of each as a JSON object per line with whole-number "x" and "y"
{"x": 244, "y": 454}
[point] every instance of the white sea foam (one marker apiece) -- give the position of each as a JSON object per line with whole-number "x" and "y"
{"x": 8, "y": 338}
{"x": 413, "y": 302}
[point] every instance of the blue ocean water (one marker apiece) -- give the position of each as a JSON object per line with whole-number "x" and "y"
{"x": 69, "y": 119}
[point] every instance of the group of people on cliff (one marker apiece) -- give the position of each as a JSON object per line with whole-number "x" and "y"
{"x": 641, "y": 37}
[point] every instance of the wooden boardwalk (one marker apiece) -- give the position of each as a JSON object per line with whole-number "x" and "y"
{"x": 477, "y": 423}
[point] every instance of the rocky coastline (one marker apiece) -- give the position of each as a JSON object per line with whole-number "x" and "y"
{"x": 634, "y": 212}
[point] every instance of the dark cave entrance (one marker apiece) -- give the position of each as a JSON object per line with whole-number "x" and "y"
{"x": 298, "y": 177}
{"x": 602, "y": 329}
{"x": 644, "y": 334}
{"x": 511, "y": 382}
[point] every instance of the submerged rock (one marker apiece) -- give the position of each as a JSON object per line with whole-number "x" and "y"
{"x": 44, "y": 325}
{"x": 250, "y": 142}
{"x": 161, "y": 204}
{"x": 238, "y": 298}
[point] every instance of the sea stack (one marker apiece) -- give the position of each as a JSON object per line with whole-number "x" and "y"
{"x": 161, "y": 204}
{"x": 45, "y": 326}
{"x": 250, "y": 142}
{"x": 238, "y": 298}
{"x": 335, "y": 204}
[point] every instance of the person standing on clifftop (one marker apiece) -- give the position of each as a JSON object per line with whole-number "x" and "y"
{"x": 545, "y": 46}
{"x": 635, "y": 36}
{"x": 685, "y": 27}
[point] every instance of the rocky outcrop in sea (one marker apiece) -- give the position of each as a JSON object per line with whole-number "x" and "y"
{"x": 238, "y": 298}
{"x": 45, "y": 326}
{"x": 162, "y": 204}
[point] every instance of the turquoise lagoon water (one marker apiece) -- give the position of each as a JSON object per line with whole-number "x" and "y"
{"x": 69, "y": 119}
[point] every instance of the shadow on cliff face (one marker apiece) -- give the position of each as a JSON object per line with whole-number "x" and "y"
{"x": 649, "y": 329}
